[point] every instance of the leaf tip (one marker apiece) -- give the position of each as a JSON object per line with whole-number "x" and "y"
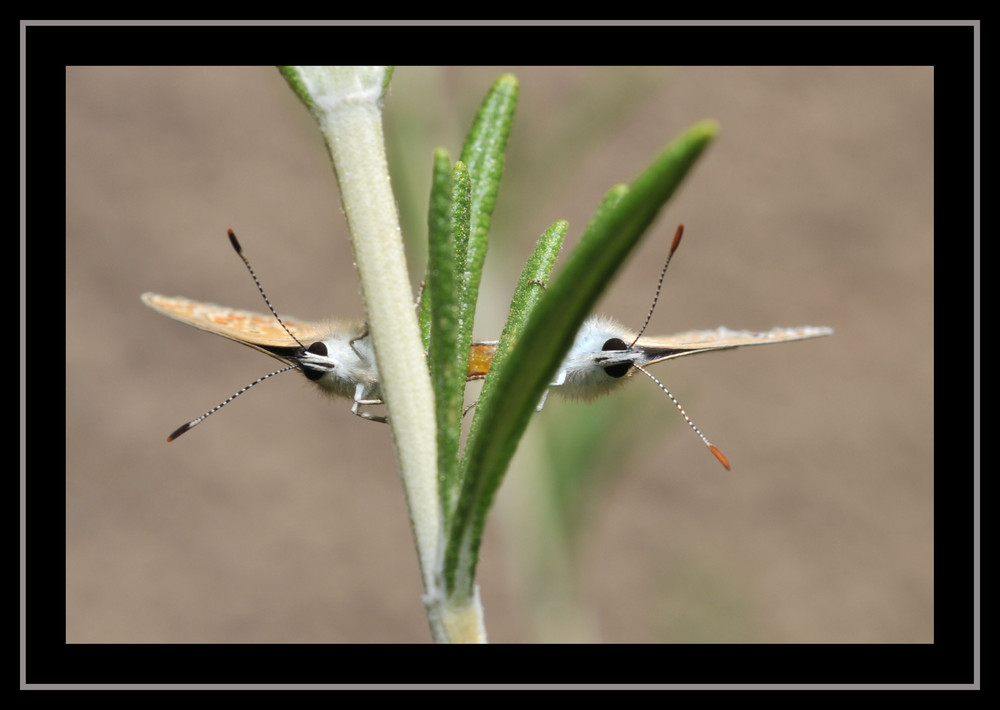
{"x": 708, "y": 128}
{"x": 507, "y": 80}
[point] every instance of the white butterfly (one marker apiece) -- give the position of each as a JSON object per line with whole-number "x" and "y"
{"x": 338, "y": 356}
{"x": 605, "y": 354}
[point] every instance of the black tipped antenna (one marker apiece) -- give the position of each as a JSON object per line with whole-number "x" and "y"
{"x": 239, "y": 250}
{"x": 181, "y": 429}
{"x": 194, "y": 422}
{"x": 659, "y": 284}
{"x": 711, "y": 447}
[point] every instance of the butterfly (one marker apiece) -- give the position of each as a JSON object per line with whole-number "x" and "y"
{"x": 338, "y": 355}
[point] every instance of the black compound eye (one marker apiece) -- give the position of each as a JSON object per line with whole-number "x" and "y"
{"x": 317, "y": 348}
{"x": 621, "y": 369}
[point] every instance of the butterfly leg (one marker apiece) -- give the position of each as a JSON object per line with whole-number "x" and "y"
{"x": 355, "y": 339}
{"x": 559, "y": 380}
{"x": 361, "y": 401}
{"x": 356, "y": 409}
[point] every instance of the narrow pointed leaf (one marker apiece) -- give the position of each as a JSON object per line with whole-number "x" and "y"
{"x": 546, "y": 338}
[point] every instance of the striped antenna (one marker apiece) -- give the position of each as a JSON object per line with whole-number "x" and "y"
{"x": 659, "y": 284}
{"x": 239, "y": 250}
{"x": 181, "y": 429}
{"x": 711, "y": 447}
{"x": 194, "y": 422}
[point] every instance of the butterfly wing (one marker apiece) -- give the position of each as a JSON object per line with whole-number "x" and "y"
{"x": 256, "y": 330}
{"x": 480, "y": 359}
{"x": 262, "y": 332}
{"x": 722, "y": 338}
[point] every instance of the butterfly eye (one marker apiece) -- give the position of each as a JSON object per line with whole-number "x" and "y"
{"x": 317, "y": 348}
{"x": 621, "y": 369}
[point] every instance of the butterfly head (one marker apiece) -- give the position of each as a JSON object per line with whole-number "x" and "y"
{"x": 340, "y": 361}
{"x": 601, "y": 359}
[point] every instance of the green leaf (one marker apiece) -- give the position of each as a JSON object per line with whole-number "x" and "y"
{"x": 530, "y": 289}
{"x": 483, "y": 153}
{"x": 546, "y": 338}
{"x": 450, "y": 355}
{"x": 440, "y": 308}
{"x": 527, "y": 294}
{"x": 440, "y": 243}
{"x": 447, "y": 309}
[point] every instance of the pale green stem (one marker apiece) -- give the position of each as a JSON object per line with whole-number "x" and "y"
{"x": 347, "y": 105}
{"x": 346, "y": 102}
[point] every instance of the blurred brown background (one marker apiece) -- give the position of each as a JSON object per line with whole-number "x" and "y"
{"x": 281, "y": 518}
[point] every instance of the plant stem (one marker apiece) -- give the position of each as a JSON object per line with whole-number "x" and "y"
{"x": 346, "y": 102}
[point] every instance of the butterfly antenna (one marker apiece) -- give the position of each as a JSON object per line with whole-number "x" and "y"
{"x": 181, "y": 429}
{"x": 239, "y": 250}
{"x": 711, "y": 447}
{"x": 659, "y": 284}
